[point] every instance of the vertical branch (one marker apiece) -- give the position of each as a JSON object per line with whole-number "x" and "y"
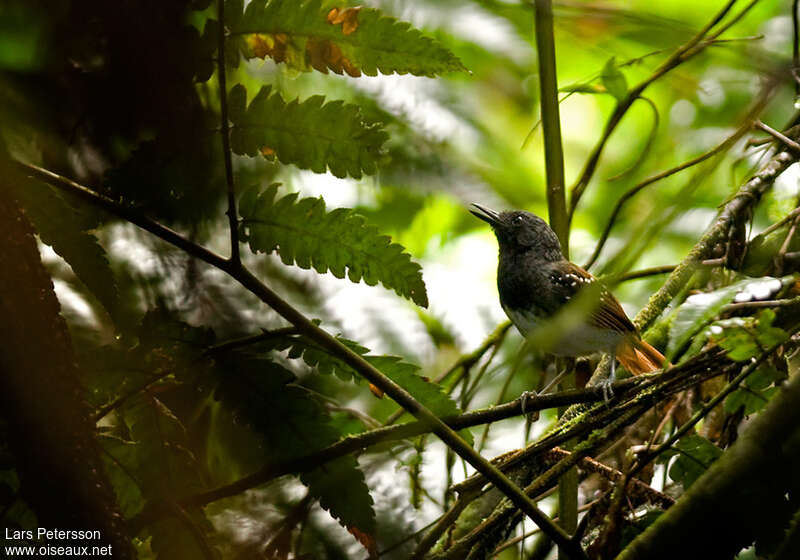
{"x": 553, "y": 152}
{"x": 556, "y": 204}
{"x": 225, "y": 132}
{"x": 795, "y": 50}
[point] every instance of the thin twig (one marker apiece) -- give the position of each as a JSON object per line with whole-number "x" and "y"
{"x": 781, "y": 256}
{"x": 431, "y": 537}
{"x": 252, "y": 339}
{"x": 651, "y": 138}
{"x": 790, "y": 216}
{"x": 511, "y": 542}
{"x": 762, "y": 304}
{"x": 682, "y": 54}
{"x": 788, "y": 142}
{"x": 119, "y": 401}
{"x": 225, "y": 134}
{"x": 465, "y": 362}
{"x": 723, "y": 146}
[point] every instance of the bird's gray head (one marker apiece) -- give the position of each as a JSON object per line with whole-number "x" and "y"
{"x": 519, "y": 231}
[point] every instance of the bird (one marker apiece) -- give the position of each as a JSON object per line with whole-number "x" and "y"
{"x": 535, "y": 281}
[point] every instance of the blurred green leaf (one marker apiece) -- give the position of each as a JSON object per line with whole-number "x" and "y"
{"x": 614, "y": 80}
{"x": 583, "y": 88}
{"x": 176, "y": 539}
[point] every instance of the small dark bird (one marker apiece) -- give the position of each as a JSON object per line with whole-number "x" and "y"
{"x": 535, "y": 281}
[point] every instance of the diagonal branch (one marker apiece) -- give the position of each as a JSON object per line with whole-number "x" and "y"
{"x": 238, "y": 272}
{"x": 722, "y": 147}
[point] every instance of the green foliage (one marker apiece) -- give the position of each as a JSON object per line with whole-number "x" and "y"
{"x": 132, "y": 117}
{"x": 117, "y": 453}
{"x": 164, "y": 464}
{"x": 292, "y": 424}
{"x": 305, "y": 35}
{"x": 747, "y": 339}
{"x": 312, "y": 135}
{"x": 695, "y": 455}
{"x": 639, "y": 525}
{"x": 67, "y": 230}
{"x": 429, "y": 394}
{"x": 304, "y": 233}
{"x": 179, "y": 538}
{"x": 697, "y": 311}
{"x": 318, "y": 358}
{"x": 614, "y": 80}
{"x": 755, "y": 392}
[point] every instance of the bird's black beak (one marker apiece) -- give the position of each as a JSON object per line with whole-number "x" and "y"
{"x": 486, "y": 214}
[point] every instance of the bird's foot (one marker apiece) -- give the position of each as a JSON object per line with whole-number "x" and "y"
{"x": 606, "y": 386}
{"x": 525, "y": 402}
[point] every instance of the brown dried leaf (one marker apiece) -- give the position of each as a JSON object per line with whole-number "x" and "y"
{"x": 323, "y": 54}
{"x": 347, "y": 17}
{"x": 266, "y": 151}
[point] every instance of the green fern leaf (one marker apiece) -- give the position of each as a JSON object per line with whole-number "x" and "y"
{"x": 303, "y": 232}
{"x": 306, "y": 35}
{"x": 429, "y": 394}
{"x": 311, "y": 135}
{"x": 315, "y": 356}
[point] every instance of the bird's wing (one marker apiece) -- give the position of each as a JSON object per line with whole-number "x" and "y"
{"x": 569, "y": 279}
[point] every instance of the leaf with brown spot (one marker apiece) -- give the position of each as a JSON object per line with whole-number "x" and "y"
{"x": 265, "y": 45}
{"x": 323, "y": 54}
{"x": 352, "y": 40}
{"x": 367, "y": 540}
{"x": 347, "y": 17}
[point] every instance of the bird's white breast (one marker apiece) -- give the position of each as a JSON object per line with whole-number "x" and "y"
{"x": 581, "y": 340}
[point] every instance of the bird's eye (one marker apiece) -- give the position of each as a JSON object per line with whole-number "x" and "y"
{"x": 517, "y": 221}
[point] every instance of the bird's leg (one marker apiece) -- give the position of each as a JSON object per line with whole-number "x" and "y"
{"x": 606, "y": 383}
{"x": 528, "y": 396}
{"x": 554, "y": 381}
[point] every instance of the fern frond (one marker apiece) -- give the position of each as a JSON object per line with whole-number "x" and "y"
{"x": 309, "y": 134}
{"x": 405, "y": 374}
{"x": 304, "y": 233}
{"x": 291, "y": 423}
{"x": 358, "y": 40}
